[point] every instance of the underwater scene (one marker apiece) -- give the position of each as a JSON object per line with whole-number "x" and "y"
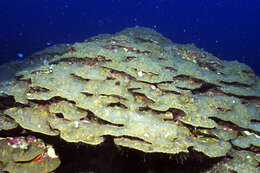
{"x": 139, "y": 86}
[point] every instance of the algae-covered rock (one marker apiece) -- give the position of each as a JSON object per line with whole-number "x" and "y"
{"x": 27, "y": 154}
{"x": 143, "y": 91}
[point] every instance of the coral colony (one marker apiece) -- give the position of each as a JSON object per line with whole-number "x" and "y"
{"x": 141, "y": 90}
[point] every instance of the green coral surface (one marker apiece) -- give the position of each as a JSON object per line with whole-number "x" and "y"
{"x": 144, "y": 91}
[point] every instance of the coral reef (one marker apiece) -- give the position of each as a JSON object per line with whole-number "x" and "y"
{"x": 142, "y": 91}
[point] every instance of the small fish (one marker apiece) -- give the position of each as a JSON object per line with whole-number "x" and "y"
{"x": 20, "y": 55}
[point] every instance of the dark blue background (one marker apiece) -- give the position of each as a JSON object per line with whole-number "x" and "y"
{"x": 227, "y": 28}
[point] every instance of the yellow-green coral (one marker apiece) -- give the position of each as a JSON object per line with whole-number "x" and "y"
{"x": 142, "y": 90}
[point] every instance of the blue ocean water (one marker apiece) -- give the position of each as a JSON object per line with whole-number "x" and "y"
{"x": 227, "y": 28}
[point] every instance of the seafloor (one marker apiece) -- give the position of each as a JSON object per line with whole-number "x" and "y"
{"x": 133, "y": 101}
